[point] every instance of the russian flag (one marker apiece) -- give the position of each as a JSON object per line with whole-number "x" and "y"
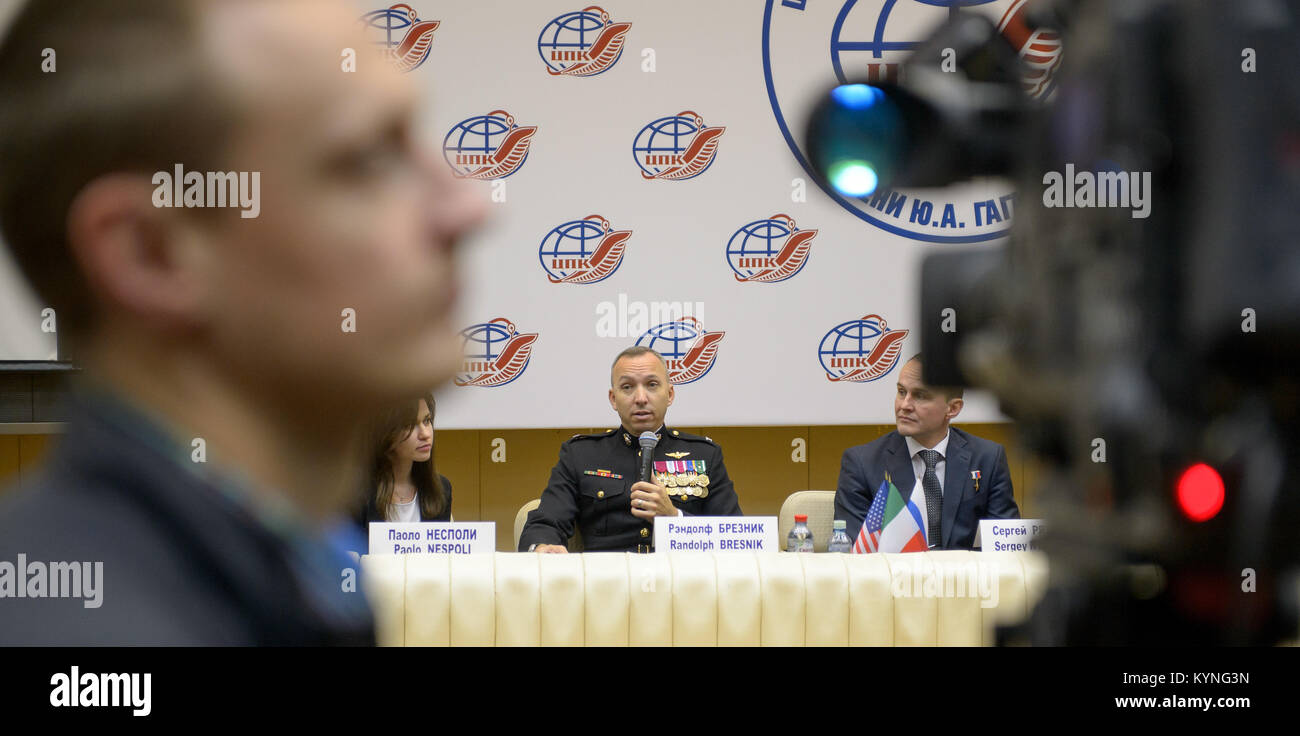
{"x": 892, "y": 524}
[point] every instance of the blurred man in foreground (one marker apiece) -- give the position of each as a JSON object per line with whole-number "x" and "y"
{"x": 595, "y": 486}
{"x": 961, "y": 478}
{"x": 214, "y": 434}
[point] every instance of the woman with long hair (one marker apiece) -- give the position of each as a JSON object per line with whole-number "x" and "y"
{"x": 403, "y": 483}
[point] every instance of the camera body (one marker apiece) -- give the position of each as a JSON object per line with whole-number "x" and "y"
{"x": 1140, "y": 318}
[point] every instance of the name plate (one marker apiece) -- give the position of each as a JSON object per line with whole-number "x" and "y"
{"x": 716, "y": 534}
{"x": 433, "y": 538}
{"x": 1010, "y": 535}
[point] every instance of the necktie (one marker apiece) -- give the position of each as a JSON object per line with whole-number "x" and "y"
{"x": 933, "y": 496}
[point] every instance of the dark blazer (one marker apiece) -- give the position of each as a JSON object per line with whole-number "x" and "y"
{"x": 370, "y": 513}
{"x": 591, "y": 486}
{"x": 863, "y": 468}
{"x": 184, "y": 563}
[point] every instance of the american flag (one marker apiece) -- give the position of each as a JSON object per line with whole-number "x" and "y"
{"x": 869, "y": 535}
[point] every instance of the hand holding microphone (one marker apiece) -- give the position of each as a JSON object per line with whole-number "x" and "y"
{"x": 648, "y": 499}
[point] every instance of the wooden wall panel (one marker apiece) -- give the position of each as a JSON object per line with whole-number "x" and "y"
{"x": 759, "y": 463}
{"x": 9, "y": 465}
{"x": 21, "y": 456}
{"x": 529, "y": 456}
{"x": 758, "y": 459}
{"x": 458, "y": 459}
{"x": 826, "y": 446}
{"x": 32, "y": 449}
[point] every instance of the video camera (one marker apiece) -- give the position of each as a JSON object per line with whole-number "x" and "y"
{"x": 1139, "y": 323}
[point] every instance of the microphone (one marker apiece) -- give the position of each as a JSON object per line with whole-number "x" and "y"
{"x": 648, "y": 441}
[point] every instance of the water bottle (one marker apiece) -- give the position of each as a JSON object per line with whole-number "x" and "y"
{"x": 840, "y": 538}
{"x": 800, "y": 538}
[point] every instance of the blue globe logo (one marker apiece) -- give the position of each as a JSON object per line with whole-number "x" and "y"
{"x": 390, "y": 23}
{"x": 869, "y": 40}
{"x": 754, "y": 247}
{"x": 674, "y": 340}
{"x": 565, "y": 41}
{"x": 470, "y": 144}
{"x": 846, "y": 350}
{"x": 660, "y": 145}
{"x": 391, "y": 27}
{"x": 877, "y": 44}
{"x": 482, "y": 344}
{"x": 568, "y": 246}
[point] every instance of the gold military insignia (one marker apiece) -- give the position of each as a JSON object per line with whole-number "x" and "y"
{"x": 677, "y": 455}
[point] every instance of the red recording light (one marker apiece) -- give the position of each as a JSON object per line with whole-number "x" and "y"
{"x": 1200, "y": 492}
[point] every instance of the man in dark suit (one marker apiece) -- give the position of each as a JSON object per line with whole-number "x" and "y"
{"x": 963, "y": 478}
{"x": 213, "y": 442}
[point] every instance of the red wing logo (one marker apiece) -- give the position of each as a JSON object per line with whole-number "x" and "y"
{"x": 768, "y": 251}
{"x": 495, "y": 353}
{"x": 602, "y": 54}
{"x": 686, "y": 346}
{"x": 414, "y": 46}
{"x": 1040, "y": 50}
{"x": 880, "y": 361}
{"x": 788, "y": 261}
{"x": 603, "y": 261}
{"x": 508, "y": 365}
{"x": 508, "y": 156}
{"x": 697, "y": 157}
{"x": 697, "y": 361}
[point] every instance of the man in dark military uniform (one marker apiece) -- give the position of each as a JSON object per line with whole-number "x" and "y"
{"x": 594, "y": 485}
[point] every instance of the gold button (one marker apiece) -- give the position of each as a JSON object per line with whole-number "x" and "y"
{"x": 645, "y": 532}
{"x": 600, "y": 494}
{"x": 674, "y": 433}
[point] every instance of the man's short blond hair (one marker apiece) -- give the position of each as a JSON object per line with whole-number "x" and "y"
{"x": 130, "y": 90}
{"x": 636, "y": 351}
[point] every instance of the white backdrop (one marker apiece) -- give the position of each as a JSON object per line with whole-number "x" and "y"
{"x": 709, "y": 59}
{"x": 712, "y": 58}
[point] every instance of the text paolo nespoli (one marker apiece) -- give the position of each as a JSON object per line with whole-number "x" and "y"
{"x": 433, "y": 538}
{"x": 716, "y": 534}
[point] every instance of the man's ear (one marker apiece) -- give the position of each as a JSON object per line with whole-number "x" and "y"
{"x": 138, "y": 259}
{"x": 954, "y": 408}
{"x": 672, "y": 393}
{"x": 612, "y": 405}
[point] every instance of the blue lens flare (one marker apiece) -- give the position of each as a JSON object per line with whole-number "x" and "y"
{"x": 857, "y": 139}
{"x": 856, "y": 96}
{"x": 853, "y": 178}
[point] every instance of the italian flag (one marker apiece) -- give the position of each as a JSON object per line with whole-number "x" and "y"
{"x": 893, "y": 524}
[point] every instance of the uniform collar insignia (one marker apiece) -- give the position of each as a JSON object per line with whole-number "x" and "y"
{"x": 630, "y": 439}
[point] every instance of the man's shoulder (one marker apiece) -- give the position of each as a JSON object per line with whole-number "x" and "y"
{"x": 678, "y": 434}
{"x": 153, "y": 594}
{"x": 586, "y": 438}
{"x": 976, "y": 444}
{"x": 51, "y": 509}
{"x": 703, "y": 441}
{"x": 875, "y": 446}
{"x": 586, "y": 443}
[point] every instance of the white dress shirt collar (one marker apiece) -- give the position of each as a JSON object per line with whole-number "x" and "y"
{"x": 914, "y": 447}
